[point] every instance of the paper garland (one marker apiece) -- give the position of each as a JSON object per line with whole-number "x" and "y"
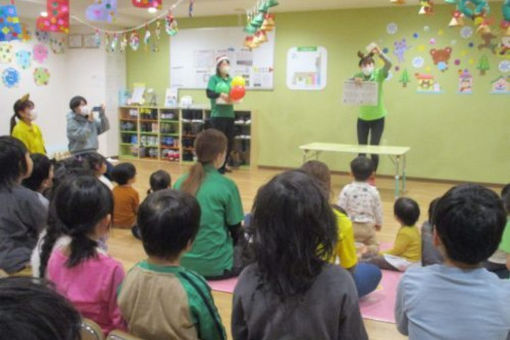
{"x": 41, "y": 76}
{"x": 10, "y": 77}
{"x": 24, "y": 59}
{"x": 57, "y": 19}
{"x": 10, "y": 28}
{"x": 147, "y": 3}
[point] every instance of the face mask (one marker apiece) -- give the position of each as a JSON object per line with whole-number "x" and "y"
{"x": 33, "y": 115}
{"x": 368, "y": 70}
{"x": 225, "y": 69}
{"x": 84, "y": 110}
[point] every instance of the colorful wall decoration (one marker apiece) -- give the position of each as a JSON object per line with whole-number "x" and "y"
{"x": 57, "y": 19}
{"x": 10, "y": 27}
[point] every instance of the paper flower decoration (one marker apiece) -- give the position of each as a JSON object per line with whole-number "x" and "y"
{"x": 6, "y": 51}
{"x": 102, "y": 10}
{"x": 123, "y": 43}
{"x": 57, "y": 44}
{"x": 43, "y": 37}
{"x": 57, "y": 19}
{"x": 26, "y": 35}
{"x": 134, "y": 41}
{"x": 41, "y": 76}
{"x": 40, "y": 53}
{"x": 10, "y": 77}
{"x": 171, "y": 25}
{"x": 10, "y": 28}
{"x": 24, "y": 59}
{"x": 147, "y": 3}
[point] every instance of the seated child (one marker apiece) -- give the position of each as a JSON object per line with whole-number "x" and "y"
{"x": 363, "y": 204}
{"x": 459, "y": 299}
{"x": 125, "y": 196}
{"x": 22, "y": 215}
{"x": 159, "y": 299}
{"x": 98, "y": 164}
{"x": 406, "y": 250}
{"x": 31, "y": 309}
{"x": 288, "y": 292}
{"x": 498, "y": 263}
{"x": 429, "y": 253}
{"x": 81, "y": 271}
{"x": 159, "y": 180}
{"x": 41, "y": 178}
{"x": 366, "y": 276}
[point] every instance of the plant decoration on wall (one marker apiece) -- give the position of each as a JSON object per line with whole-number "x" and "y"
{"x": 10, "y": 28}
{"x": 483, "y": 65}
{"x": 259, "y": 22}
{"x": 56, "y": 18}
{"x": 120, "y": 40}
{"x": 404, "y": 78}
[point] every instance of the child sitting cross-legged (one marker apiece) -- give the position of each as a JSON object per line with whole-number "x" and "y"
{"x": 406, "y": 250}
{"x": 159, "y": 298}
{"x": 459, "y": 299}
{"x": 126, "y": 198}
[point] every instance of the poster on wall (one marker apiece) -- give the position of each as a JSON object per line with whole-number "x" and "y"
{"x": 307, "y": 68}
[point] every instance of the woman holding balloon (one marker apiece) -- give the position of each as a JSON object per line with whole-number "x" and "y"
{"x": 223, "y": 92}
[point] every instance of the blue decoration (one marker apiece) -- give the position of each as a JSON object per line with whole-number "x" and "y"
{"x": 10, "y": 77}
{"x": 10, "y": 28}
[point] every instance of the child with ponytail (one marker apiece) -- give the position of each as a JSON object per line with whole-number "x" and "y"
{"x": 81, "y": 271}
{"x": 212, "y": 254}
{"x": 24, "y": 128}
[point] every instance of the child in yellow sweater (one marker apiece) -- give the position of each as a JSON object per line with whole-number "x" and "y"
{"x": 406, "y": 250}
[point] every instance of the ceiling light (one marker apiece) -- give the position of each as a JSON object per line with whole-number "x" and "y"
{"x": 152, "y": 10}
{"x": 44, "y": 14}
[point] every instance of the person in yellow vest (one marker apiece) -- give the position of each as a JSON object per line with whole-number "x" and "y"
{"x": 24, "y": 128}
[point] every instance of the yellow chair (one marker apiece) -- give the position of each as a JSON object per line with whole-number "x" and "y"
{"x": 91, "y": 330}
{"x": 120, "y": 335}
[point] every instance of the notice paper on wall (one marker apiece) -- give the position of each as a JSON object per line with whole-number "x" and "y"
{"x": 307, "y": 68}
{"x": 364, "y": 94}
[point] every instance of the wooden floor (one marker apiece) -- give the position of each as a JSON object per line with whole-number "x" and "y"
{"x": 129, "y": 251}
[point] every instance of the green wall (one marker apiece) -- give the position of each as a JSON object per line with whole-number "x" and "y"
{"x": 452, "y": 136}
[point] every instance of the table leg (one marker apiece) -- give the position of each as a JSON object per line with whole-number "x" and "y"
{"x": 397, "y": 176}
{"x": 404, "y": 175}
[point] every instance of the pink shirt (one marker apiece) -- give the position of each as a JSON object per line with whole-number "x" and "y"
{"x": 91, "y": 286}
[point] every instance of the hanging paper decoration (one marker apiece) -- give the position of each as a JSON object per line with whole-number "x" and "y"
{"x": 427, "y": 7}
{"x": 398, "y": 2}
{"x": 465, "y": 82}
{"x": 457, "y": 19}
{"x": 269, "y": 23}
{"x": 10, "y": 28}
{"x": 57, "y": 19}
{"x": 26, "y": 36}
{"x": 147, "y": 3}
{"x": 42, "y": 37}
{"x": 157, "y": 30}
{"x": 115, "y": 42}
{"x": 24, "y": 59}
{"x": 10, "y": 77}
{"x": 102, "y": 10}
{"x": 147, "y": 38}
{"x": 6, "y": 51}
{"x": 97, "y": 38}
{"x": 487, "y": 38}
{"x": 505, "y": 23}
{"x": 134, "y": 41}
{"x": 190, "y": 8}
{"x": 41, "y": 76}
{"x": 40, "y": 53}
{"x": 171, "y": 25}
{"x": 57, "y": 44}
{"x": 123, "y": 43}
{"x": 107, "y": 43}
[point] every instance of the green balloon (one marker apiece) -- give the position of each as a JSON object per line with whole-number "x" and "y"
{"x": 222, "y": 87}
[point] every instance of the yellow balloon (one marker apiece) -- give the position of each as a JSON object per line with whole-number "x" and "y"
{"x": 238, "y": 81}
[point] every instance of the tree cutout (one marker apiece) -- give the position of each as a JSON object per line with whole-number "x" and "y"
{"x": 404, "y": 78}
{"x": 483, "y": 65}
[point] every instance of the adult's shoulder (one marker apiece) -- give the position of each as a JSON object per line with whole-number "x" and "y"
{"x": 25, "y": 194}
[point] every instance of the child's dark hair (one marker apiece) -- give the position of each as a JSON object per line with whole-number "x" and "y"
{"x": 365, "y": 59}
{"x": 505, "y": 196}
{"x": 32, "y": 309}
{"x": 159, "y": 180}
{"x": 40, "y": 172}
{"x": 469, "y": 220}
{"x": 407, "y": 211}
{"x": 79, "y": 204}
{"x": 13, "y": 162}
{"x": 362, "y": 168}
{"x": 76, "y": 102}
{"x": 208, "y": 145}
{"x": 19, "y": 106}
{"x": 168, "y": 221}
{"x": 95, "y": 160}
{"x": 294, "y": 231}
{"x": 432, "y": 207}
{"x": 320, "y": 172}
{"x": 123, "y": 172}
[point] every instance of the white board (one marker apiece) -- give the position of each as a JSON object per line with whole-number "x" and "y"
{"x": 364, "y": 94}
{"x": 193, "y": 55}
{"x": 307, "y": 68}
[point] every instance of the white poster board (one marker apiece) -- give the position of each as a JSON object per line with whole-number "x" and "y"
{"x": 193, "y": 55}
{"x": 364, "y": 94}
{"x": 307, "y": 68}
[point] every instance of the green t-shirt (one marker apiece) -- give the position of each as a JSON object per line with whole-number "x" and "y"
{"x": 371, "y": 112}
{"x": 505, "y": 240}
{"x": 212, "y": 252}
{"x": 219, "y": 110}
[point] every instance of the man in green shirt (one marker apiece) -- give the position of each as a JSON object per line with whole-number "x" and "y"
{"x": 371, "y": 118}
{"x": 222, "y": 110}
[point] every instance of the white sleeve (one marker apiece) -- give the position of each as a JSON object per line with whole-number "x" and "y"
{"x": 342, "y": 199}
{"x": 378, "y": 212}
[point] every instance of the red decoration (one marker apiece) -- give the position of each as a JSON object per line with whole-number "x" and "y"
{"x": 57, "y": 19}
{"x": 237, "y": 92}
{"x": 147, "y": 3}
